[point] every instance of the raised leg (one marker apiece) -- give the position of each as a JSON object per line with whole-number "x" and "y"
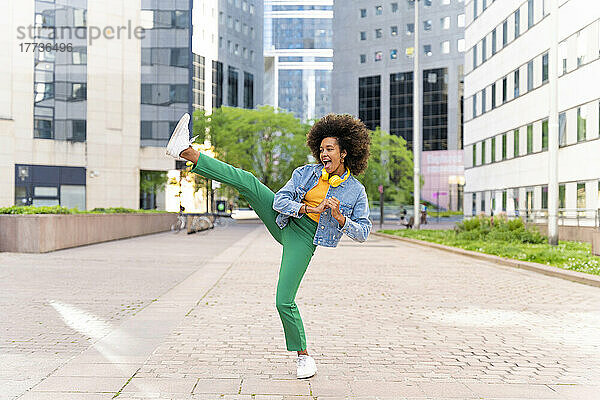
{"x": 257, "y": 194}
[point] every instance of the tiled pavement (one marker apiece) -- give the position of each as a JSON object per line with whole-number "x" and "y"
{"x": 384, "y": 319}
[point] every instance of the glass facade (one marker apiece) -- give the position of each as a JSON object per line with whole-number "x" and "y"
{"x": 232, "y": 86}
{"x": 306, "y": 91}
{"x": 248, "y": 90}
{"x": 435, "y": 109}
{"x": 369, "y": 101}
{"x": 217, "y": 84}
{"x": 401, "y": 106}
{"x": 166, "y": 70}
{"x": 45, "y": 185}
{"x": 60, "y": 77}
{"x": 198, "y": 82}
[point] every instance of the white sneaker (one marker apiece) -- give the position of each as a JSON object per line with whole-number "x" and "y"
{"x": 306, "y": 366}
{"x": 180, "y": 139}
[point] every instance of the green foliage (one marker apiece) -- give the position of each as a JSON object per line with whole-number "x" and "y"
{"x": 36, "y": 210}
{"x": 390, "y": 165}
{"x": 442, "y": 214}
{"x": 62, "y": 210}
{"x": 518, "y": 244}
{"x": 498, "y": 229}
{"x": 267, "y": 143}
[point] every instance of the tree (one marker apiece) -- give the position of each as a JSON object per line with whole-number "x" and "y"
{"x": 266, "y": 143}
{"x": 390, "y": 165}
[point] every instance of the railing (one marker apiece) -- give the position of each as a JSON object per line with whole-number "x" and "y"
{"x": 585, "y": 217}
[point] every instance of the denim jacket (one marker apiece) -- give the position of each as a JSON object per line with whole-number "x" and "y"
{"x": 354, "y": 206}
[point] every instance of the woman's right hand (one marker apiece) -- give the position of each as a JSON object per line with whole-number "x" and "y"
{"x": 318, "y": 209}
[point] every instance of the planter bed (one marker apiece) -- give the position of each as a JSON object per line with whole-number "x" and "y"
{"x": 41, "y": 233}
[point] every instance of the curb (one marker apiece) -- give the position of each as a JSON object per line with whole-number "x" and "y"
{"x": 573, "y": 276}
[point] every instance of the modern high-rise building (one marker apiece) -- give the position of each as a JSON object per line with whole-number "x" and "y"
{"x": 90, "y": 93}
{"x": 227, "y": 54}
{"x": 70, "y": 105}
{"x": 373, "y": 45}
{"x": 507, "y": 99}
{"x": 298, "y": 48}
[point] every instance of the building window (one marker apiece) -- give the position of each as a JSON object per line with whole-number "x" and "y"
{"x": 562, "y": 198}
{"x": 394, "y": 7}
{"x": 460, "y": 45}
{"x": 369, "y": 101}
{"x": 460, "y": 20}
{"x": 393, "y": 54}
{"x": 545, "y": 135}
{"x": 517, "y": 23}
{"x": 545, "y": 68}
{"x": 529, "y": 139}
{"x": 493, "y": 95}
{"x": 427, "y": 25}
{"x": 483, "y": 101}
{"x": 378, "y": 33}
{"x": 378, "y": 56}
{"x": 516, "y": 143}
{"x": 529, "y": 13}
{"x": 42, "y": 128}
{"x": 474, "y": 153}
{"x": 581, "y": 124}
{"x": 581, "y": 48}
{"x": 427, "y": 3}
{"x": 251, "y": 9}
{"x": 483, "y": 143}
{"x": 530, "y": 76}
{"x": 562, "y": 129}
{"x": 248, "y": 90}
{"x": 493, "y": 155}
{"x": 363, "y": 58}
{"x": 494, "y": 41}
{"x": 401, "y": 106}
{"x": 378, "y": 10}
{"x": 410, "y": 29}
{"x": 504, "y": 33}
{"x": 474, "y": 56}
{"x": 435, "y": 109}
{"x": 581, "y": 195}
{"x": 504, "y": 146}
{"x": 474, "y": 9}
{"x": 217, "y": 84}
{"x": 516, "y": 84}
{"x": 446, "y": 47}
{"x": 504, "y": 89}
{"x": 232, "y": 86}
{"x": 445, "y": 22}
{"x": 483, "y": 50}
{"x": 544, "y": 197}
{"x": 363, "y": 12}
{"x": 363, "y": 35}
{"x": 394, "y": 30}
{"x": 78, "y": 92}
{"x": 427, "y": 50}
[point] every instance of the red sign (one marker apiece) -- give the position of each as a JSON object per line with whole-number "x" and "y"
{"x": 380, "y": 188}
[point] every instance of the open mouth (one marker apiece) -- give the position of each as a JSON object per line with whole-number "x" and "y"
{"x": 327, "y": 163}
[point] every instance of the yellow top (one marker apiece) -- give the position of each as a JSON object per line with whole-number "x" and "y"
{"x": 315, "y": 196}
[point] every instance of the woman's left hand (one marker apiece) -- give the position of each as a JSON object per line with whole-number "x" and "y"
{"x": 334, "y": 205}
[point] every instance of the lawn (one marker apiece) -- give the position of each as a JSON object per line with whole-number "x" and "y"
{"x": 510, "y": 239}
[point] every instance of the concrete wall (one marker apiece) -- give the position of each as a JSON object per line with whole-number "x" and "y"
{"x": 596, "y": 243}
{"x": 572, "y": 233}
{"x": 43, "y": 233}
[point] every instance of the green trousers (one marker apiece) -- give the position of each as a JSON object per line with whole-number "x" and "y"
{"x": 296, "y": 238}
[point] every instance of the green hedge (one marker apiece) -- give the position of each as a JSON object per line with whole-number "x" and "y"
{"x": 63, "y": 210}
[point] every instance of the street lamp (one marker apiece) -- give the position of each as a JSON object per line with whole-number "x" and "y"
{"x": 416, "y": 124}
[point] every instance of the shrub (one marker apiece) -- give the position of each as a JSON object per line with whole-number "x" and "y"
{"x": 498, "y": 229}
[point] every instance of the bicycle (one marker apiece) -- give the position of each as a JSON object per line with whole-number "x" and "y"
{"x": 179, "y": 225}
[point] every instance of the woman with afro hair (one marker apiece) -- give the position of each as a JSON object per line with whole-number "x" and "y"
{"x": 315, "y": 207}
